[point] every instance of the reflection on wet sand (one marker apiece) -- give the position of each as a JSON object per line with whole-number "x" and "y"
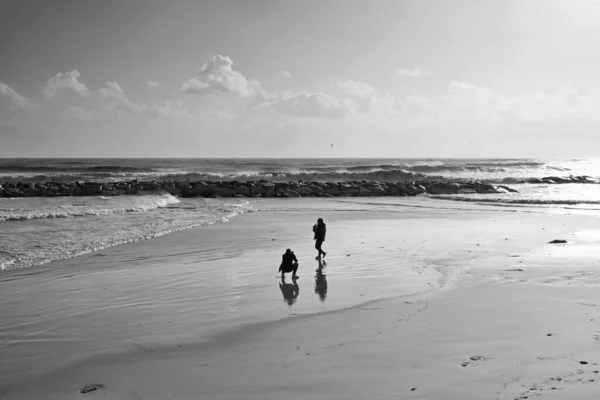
{"x": 321, "y": 281}
{"x": 290, "y": 291}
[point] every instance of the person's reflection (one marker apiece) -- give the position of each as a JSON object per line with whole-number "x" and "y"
{"x": 290, "y": 291}
{"x": 321, "y": 281}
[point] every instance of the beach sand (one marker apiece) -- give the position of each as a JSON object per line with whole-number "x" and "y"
{"x": 414, "y": 303}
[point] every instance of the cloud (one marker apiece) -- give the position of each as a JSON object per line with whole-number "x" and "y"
{"x": 11, "y": 100}
{"x": 303, "y": 104}
{"x": 217, "y": 75}
{"x": 172, "y": 109}
{"x": 77, "y": 113}
{"x": 153, "y": 84}
{"x": 356, "y": 88}
{"x": 68, "y": 80}
{"x": 285, "y": 74}
{"x": 411, "y": 72}
{"x": 116, "y": 98}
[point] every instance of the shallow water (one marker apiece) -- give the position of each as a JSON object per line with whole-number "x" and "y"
{"x": 35, "y": 231}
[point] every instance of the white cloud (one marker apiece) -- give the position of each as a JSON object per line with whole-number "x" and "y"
{"x": 359, "y": 89}
{"x": 64, "y": 81}
{"x": 285, "y": 74}
{"x": 303, "y": 104}
{"x": 77, "y": 113}
{"x": 172, "y": 109}
{"x": 11, "y": 100}
{"x": 117, "y": 99}
{"x": 469, "y": 101}
{"x": 153, "y": 84}
{"x": 217, "y": 75}
{"x": 411, "y": 72}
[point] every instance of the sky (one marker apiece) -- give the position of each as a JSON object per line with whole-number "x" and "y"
{"x": 310, "y": 78}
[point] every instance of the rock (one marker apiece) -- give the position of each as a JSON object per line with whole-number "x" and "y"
{"x": 333, "y": 190}
{"x": 377, "y": 189}
{"x": 290, "y": 193}
{"x": 347, "y": 189}
{"x": 558, "y": 241}
{"x": 200, "y": 189}
{"x": 91, "y": 388}
{"x": 91, "y": 190}
{"x": 443, "y": 188}
{"x": 303, "y": 190}
{"x": 269, "y": 190}
{"x": 509, "y": 189}
{"x": 172, "y": 190}
{"x": 534, "y": 180}
{"x": 363, "y": 191}
{"x": 243, "y": 190}
{"x": 510, "y": 180}
{"x": 406, "y": 189}
{"x": 486, "y": 188}
{"x": 392, "y": 191}
{"x": 466, "y": 190}
{"x": 256, "y": 189}
{"x": 12, "y": 192}
{"x": 223, "y": 191}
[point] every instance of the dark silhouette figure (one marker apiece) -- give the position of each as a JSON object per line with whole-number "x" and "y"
{"x": 319, "y": 230}
{"x": 290, "y": 291}
{"x": 321, "y": 282}
{"x": 289, "y": 263}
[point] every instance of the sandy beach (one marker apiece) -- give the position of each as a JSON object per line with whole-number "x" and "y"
{"x": 417, "y": 300}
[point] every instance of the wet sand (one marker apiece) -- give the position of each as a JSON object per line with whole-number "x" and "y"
{"x": 415, "y": 303}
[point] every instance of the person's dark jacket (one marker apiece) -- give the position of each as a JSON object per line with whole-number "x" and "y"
{"x": 320, "y": 230}
{"x": 287, "y": 260}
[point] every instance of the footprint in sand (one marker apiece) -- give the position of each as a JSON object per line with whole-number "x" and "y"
{"x": 474, "y": 360}
{"x": 561, "y": 382}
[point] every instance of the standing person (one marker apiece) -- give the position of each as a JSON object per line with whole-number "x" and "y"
{"x": 289, "y": 263}
{"x": 320, "y": 230}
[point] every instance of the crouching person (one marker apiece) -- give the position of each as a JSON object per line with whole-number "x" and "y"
{"x": 289, "y": 263}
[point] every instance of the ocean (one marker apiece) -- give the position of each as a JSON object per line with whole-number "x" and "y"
{"x": 36, "y": 231}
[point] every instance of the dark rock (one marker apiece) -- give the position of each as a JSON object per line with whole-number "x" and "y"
{"x": 509, "y": 189}
{"x": 91, "y": 190}
{"x": 223, "y": 191}
{"x": 303, "y": 190}
{"x": 91, "y": 388}
{"x": 243, "y": 190}
{"x": 200, "y": 189}
{"x": 290, "y": 193}
{"x": 443, "y": 188}
{"x": 558, "y": 241}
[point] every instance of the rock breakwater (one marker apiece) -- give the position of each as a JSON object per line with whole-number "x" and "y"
{"x": 249, "y": 188}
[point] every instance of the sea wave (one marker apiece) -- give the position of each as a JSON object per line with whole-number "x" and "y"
{"x": 111, "y": 230}
{"x": 81, "y": 168}
{"x": 490, "y": 170}
{"x": 69, "y": 211}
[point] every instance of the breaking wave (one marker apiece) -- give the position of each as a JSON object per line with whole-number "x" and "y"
{"x": 136, "y": 204}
